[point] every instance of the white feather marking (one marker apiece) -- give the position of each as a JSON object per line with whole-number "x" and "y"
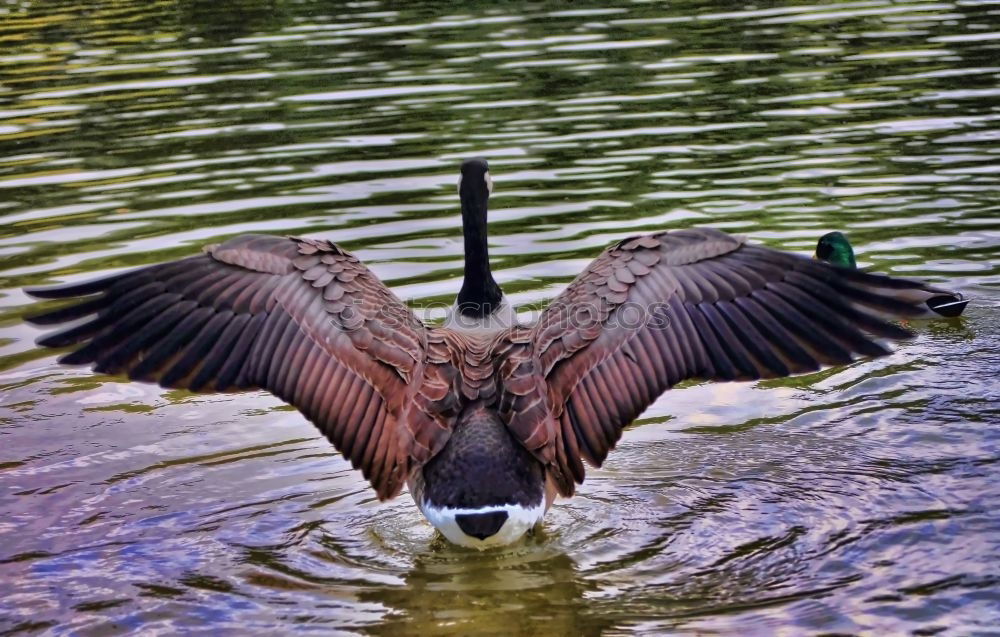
{"x": 519, "y": 521}
{"x": 937, "y": 307}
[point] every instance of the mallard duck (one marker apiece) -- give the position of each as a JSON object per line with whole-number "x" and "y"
{"x": 485, "y": 419}
{"x": 833, "y": 247}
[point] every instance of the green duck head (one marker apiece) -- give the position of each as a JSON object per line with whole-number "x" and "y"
{"x": 833, "y": 247}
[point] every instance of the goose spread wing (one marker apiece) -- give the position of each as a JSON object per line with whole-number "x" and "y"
{"x": 300, "y": 318}
{"x": 654, "y": 310}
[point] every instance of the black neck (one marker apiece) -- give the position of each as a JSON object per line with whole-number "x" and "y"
{"x": 480, "y": 295}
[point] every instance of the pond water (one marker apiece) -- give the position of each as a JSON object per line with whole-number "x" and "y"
{"x": 860, "y": 498}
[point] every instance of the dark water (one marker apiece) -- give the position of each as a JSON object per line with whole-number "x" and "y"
{"x": 860, "y": 499}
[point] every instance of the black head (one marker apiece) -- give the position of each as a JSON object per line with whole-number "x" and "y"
{"x": 474, "y": 182}
{"x": 480, "y": 295}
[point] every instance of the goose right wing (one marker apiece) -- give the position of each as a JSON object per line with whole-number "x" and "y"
{"x": 654, "y": 310}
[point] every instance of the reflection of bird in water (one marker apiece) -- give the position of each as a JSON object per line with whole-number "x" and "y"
{"x": 534, "y": 590}
{"x": 485, "y": 419}
{"x": 833, "y": 247}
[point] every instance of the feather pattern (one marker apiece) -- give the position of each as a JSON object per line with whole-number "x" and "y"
{"x": 305, "y": 320}
{"x": 254, "y": 313}
{"x": 695, "y": 303}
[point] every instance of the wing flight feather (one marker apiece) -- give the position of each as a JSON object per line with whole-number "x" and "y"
{"x": 300, "y": 318}
{"x": 654, "y": 310}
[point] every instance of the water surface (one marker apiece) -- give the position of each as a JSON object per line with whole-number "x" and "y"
{"x": 857, "y": 499}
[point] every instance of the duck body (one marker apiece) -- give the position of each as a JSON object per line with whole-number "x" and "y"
{"x": 484, "y": 419}
{"x": 836, "y": 249}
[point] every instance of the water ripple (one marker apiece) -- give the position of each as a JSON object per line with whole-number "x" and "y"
{"x": 856, "y": 499}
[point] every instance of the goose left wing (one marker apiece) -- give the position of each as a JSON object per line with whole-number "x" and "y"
{"x": 654, "y": 310}
{"x": 300, "y": 318}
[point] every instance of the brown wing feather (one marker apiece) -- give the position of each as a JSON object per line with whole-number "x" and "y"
{"x": 300, "y": 318}
{"x": 654, "y": 310}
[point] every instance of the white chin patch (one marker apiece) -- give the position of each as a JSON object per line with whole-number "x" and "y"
{"x": 519, "y": 521}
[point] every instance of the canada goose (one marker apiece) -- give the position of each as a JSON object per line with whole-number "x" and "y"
{"x": 485, "y": 420}
{"x": 833, "y": 247}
